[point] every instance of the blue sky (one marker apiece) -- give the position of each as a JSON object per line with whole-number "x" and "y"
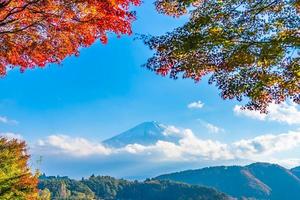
{"x": 105, "y": 91}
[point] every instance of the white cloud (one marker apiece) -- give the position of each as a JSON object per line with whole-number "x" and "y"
{"x": 267, "y": 144}
{"x": 213, "y": 128}
{"x": 208, "y": 149}
{"x": 188, "y": 148}
{"x": 171, "y": 130}
{"x": 57, "y": 144}
{"x": 10, "y": 135}
{"x": 5, "y": 120}
{"x": 286, "y": 112}
{"x": 196, "y": 105}
{"x": 248, "y": 113}
{"x": 135, "y": 148}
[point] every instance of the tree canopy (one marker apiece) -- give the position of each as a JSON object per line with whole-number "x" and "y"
{"x": 36, "y": 32}
{"x": 16, "y": 178}
{"x": 247, "y": 48}
{"x": 108, "y": 188}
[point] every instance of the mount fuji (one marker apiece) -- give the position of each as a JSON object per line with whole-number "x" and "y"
{"x": 147, "y": 133}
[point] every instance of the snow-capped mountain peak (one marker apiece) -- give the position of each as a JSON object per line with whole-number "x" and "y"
{"x": 146, "y": 133}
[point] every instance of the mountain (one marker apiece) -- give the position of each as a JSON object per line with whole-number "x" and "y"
{"x": 284, "y": 184}
{"x": 146, "y": 133}
{"x": 109, "y": 188}
{"x": 236, "y": 181}
{"x": 261, "y": 181}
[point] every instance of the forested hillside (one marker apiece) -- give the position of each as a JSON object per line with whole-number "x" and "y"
{"x": 259, "y": 181}
{"x": 106, "y": 188}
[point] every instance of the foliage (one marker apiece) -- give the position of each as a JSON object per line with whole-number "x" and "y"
{"x": 161, "y": 190}
{"x": 65, "y": 188}
{"x": 16, "y": 180}
{"x": 249, "y": 48}
{"x": 36, "y": 32}
{"x": 44, "y": 194}
{"x": 108, "y": 188}
{"x": 105, "y": 187}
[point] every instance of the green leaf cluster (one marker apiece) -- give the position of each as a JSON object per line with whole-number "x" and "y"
{"x": 249, "y": 49}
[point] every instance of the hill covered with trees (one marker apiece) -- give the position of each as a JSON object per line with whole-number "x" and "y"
{"x": 256, "y": 181}
{"x": 106, "y": 188}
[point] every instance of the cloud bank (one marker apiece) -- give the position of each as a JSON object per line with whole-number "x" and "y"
{"x": 188, "y": 148}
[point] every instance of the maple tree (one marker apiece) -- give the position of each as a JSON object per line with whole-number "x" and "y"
{"x": 36, "y": 32}
{"x": 16, "y": 178}
{"x": 248, "y": 48}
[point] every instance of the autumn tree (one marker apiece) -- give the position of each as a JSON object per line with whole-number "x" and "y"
{"x": 247, "y": 48}
{"x": 16, "y": 178}
{"x": 36, "y": 32}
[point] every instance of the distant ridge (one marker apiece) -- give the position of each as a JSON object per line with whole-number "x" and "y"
{"x": 146, "y": 133}
{"x": 261, "y": 181}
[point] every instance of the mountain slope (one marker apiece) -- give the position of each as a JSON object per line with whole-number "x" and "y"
{"x": 296, "y": 171}
{"x": 146, "y": 133}
{"x": 284, "y": 184}
{"x": 108, "y": 188}
{"x": 236, "y": 181}
{"x": 259, "y": 181}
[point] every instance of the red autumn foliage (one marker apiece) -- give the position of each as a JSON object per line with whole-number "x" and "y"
{"x": 36, "y": 32}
